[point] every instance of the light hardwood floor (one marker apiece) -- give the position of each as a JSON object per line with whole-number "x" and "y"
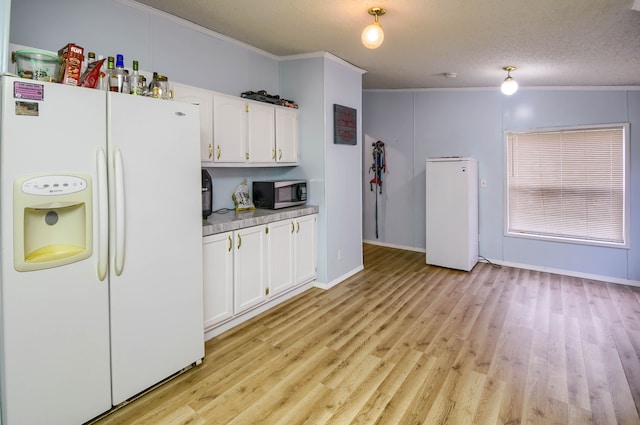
{"x": 406, "y": 343}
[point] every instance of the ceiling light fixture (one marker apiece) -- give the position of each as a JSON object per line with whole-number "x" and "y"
{"x": 372, "y": 36}
{"x": 509, "y": 85}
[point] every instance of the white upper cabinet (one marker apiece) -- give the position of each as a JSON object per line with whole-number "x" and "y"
{"x": 261, "y": 133}
{"x": 248, "y": 133}
{"x": 204, "y": 99}
{"x": 286, "y": 135}
{"x": 236, "y": 132}
{"x": 229, "y": 129}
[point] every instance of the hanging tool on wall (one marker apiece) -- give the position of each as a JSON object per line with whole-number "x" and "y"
{"x": 378, "y": 167}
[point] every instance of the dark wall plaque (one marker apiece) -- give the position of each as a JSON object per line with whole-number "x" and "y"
{"x": 344, "y": 125}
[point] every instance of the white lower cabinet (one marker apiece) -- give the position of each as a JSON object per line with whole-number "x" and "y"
{"x": 280, "y": 256}
{"x": 249, "y": 277}
{"x": 248, "y": 267}
{"x": 218, "y": 278}
{"x": 305, "y": 248}
{"x": 291, "y": 253}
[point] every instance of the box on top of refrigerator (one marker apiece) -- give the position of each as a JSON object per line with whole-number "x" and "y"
{"x": 72, "y": 57}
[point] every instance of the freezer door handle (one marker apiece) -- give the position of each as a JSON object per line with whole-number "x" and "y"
{"x": 120, "y": 210}
{"x": 103, "y": 214}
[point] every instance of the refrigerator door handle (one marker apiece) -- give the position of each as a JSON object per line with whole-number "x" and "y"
{"x": 120, "y": 211}
{"x": 103, "y": 214}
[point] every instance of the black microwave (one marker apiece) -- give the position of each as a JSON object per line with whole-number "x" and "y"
{"x": 279, "y": 194}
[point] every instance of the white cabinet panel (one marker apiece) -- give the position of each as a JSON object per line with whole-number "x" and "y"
{"x": 229, "y": 129}
{"x": 305, "y": 249}
{"x": 286, "y": 135}
{"x": 261, "y": 134}
{"x": 204, "y": 99}
{"x": 280, "y": 256}
{"x": 218, "y": 278}
{"x": 249, "y": 274}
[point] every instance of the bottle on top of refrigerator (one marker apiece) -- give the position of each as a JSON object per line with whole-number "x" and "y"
{"x": 159, "y": 87}
{"x": 143, "y": 83}
{"x": 117, "y": 76}
{"x": 126, "y": 82}
{"x": 110, "y": 70}
{"x": 136, "y": 81}
{"x": 102, "y": 80}
{"x": 91, "y": 57}
{"x": 154, "y": 86}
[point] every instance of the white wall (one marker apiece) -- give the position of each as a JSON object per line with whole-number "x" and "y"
{"x": 333, "y": 171}
{"x": 472, "y": 123}
{"x": 183, "y": 51}
{"x": 303, "y": 80}
{"x": 5, "y": 13}
{"x": 343, "y": 168}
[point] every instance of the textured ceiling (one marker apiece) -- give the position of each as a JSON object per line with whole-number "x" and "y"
{"x": 552, "y": 42}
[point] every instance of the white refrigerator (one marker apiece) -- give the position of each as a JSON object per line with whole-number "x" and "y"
{"x": 452, "y": 212}
{"x": 101, "y": 235}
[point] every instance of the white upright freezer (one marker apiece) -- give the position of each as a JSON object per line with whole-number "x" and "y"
{"x": 101, "y": 235}
{"x": 452, "y": 212}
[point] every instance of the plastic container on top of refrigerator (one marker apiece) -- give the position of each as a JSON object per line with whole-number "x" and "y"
{"x": 37, "y": 65}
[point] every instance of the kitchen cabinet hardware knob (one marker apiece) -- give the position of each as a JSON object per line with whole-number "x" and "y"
{"x": 292, "y": 227}
{"x": 230, "y": 243}
{"x": 246, "y": 155}
{"x": 280, "y": 154}
{"x": 239, "y": 241}
{"x": 210, "y": 151}
{"x": 266, "y": 291}
{"x": 218, "y": 152}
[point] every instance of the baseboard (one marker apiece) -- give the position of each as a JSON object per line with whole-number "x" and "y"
{"x": 344, "y": 277}
{"x": 563, "y": 272}
{"x": 388, "y": 245}
{"x": 527, "y": 266}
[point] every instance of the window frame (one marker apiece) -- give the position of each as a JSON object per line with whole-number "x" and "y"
{"x": 626, "y": 226}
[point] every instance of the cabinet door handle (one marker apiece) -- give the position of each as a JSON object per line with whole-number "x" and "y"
{"x": 273, "y": 153}
{"x": 280, "y": 154}
{"x": 292, "y": 227}
{"x": 210, "y": 151}
{"x": 218, "y": 152}
{"x": 298, "y": 231}
{"x": 239, "y": 241}
{"x": 230, "y": 243}
{"x": 246, "y": 155}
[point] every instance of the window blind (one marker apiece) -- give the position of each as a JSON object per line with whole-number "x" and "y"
{"x": 567, "y": 184}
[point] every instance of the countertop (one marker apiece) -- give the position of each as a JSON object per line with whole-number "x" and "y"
{"x": 220, "y": 223}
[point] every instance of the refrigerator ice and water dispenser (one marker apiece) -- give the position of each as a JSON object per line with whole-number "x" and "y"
{"x": 52, "y": 220}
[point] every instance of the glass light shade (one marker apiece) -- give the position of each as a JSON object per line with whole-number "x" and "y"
{"x": 372, "y": 36}
{"x": 509, "y": 86}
